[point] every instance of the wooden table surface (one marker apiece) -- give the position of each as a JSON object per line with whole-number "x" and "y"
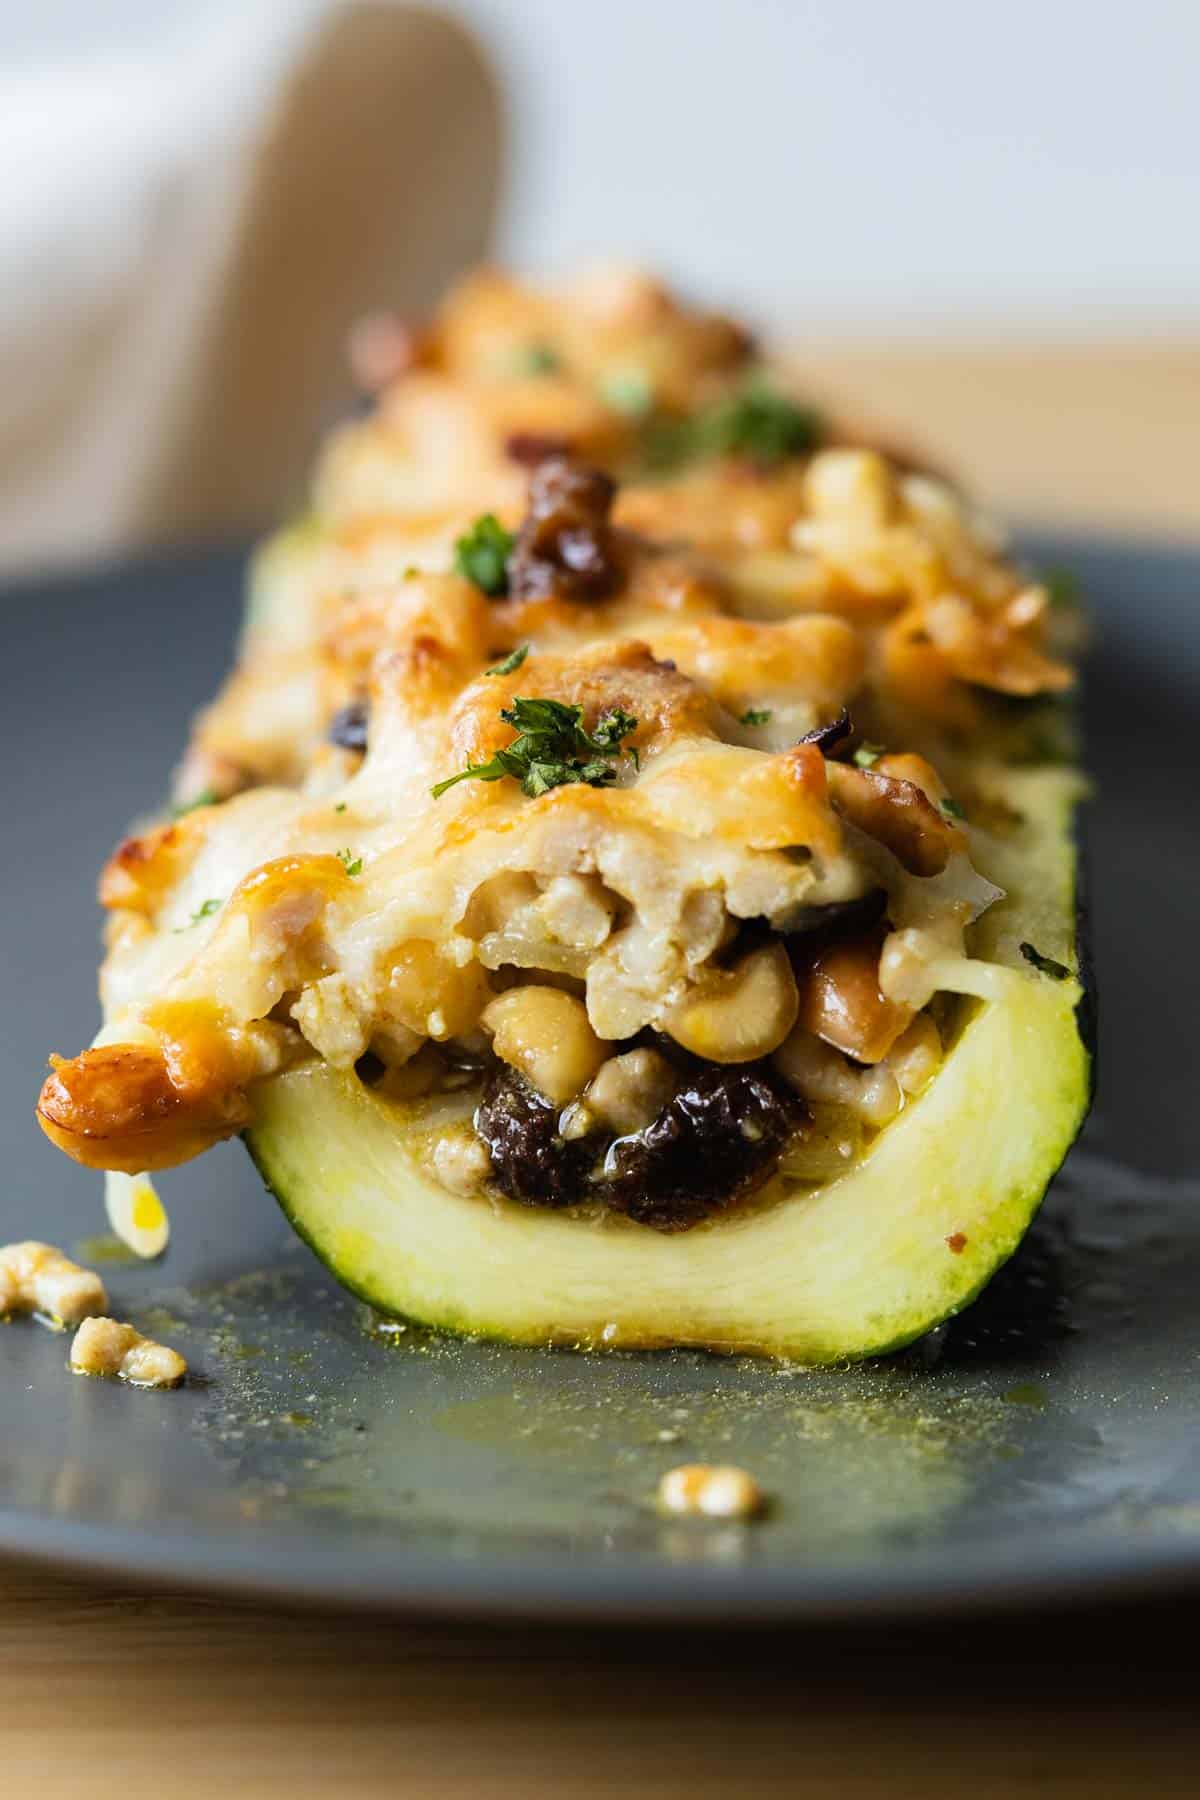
{"x": 108, "y": 1692}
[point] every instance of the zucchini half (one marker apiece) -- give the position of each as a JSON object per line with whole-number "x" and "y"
{"x": 907, "y": 1237}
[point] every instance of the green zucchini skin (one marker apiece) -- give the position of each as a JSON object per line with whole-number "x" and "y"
{"x": 861, "y": 1267}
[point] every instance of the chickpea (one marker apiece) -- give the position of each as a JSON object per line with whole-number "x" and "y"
{"x": 547, "y": 1036}
{"x": 819, "y": 1072}
{"x": 840, "y": 999}
{"x": 631, "y": 1090}
{"x": 739, "y": 1014}
{"x": 497, "y": 903}
{"x": 462, "y": 1162}
{"x": 431, "y": 995}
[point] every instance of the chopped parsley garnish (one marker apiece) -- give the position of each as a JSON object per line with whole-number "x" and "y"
{"x": 757, "y": 422}
{"x": 629, "y": 391}
{"x": 351, "y": 863}
{"x": 552, "y": 749}
{"x": 867, "y": 755}
{"x": 755, "y": 715}
{"x": 668, "y": 443}
{"x": 761, "y": 423}
{"x": 950, "y": 808}
{"x": 205, "y": 910}
{"x": 206, "y": 797}
{"x": 340, "y": 807}
{"x": 512, "y": 661}
{"x": 537, "y": 358}
{"x": 1062, "y": 588}
{"x": 1046, "y": 964}
{"x": 482, "y": 553}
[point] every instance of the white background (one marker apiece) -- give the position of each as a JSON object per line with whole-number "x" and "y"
{"x": 888, "y": 167}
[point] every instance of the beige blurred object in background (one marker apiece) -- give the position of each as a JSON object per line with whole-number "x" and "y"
{"x": 1097, "y": 434}
{"x": 203, "y": 209}
{"x": 180, "y": 396}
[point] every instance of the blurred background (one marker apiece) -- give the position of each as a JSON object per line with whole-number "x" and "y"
{"x": 981, "y": 223}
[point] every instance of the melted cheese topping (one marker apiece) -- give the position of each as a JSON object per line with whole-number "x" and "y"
{"x": 332, "y": 905}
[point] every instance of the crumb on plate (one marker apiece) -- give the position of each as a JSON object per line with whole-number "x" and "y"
{"x": 711, "y": 1491}
{"x": 108, "y": 1347}
{"x": 37, "y": 1278}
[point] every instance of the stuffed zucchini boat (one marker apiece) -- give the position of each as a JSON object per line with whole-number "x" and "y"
{"x": 626, "y": 891}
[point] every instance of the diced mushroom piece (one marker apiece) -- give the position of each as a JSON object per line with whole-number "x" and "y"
{"x": 898, "y": 813}
{"x": 840, "y": 1000}
{"x": 907, "y": 765}
{"x": 37, "y": 1278}
{"x": 109, "y": 1347}
{"x": 565, "y": 545}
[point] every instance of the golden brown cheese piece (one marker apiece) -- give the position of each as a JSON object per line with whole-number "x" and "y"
{"x": 607, "y": 319}
{"x": 817, "y": 659}
{"x": 624, "y": 676}
{"x": 723, "y": 508}
{"x": 118, "y": 1108}
{"x": 149, "y": 1105}
{"x": 143, "y": 869}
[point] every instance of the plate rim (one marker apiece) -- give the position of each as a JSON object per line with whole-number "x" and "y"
{"x": 1059, "y": 1567}
{"x": 930, "y": 1583}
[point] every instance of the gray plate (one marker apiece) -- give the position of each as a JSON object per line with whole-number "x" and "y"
{"x": 1044, "y": 1445}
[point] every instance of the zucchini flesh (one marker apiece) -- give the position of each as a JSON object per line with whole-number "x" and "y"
{"x": 861, "y": 1266}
